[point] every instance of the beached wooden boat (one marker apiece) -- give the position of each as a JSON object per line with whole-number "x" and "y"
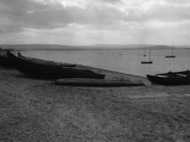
{"x": 171, "y": 78}
{"x": 5, "y": 61}
{"x": 96, "y": 82}
{"x": 42, "y": 69}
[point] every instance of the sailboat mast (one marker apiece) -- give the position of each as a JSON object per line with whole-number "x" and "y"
{"x": 149, "y": 54}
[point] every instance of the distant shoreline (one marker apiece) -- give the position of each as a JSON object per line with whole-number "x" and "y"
{"x": 24, "y": 47}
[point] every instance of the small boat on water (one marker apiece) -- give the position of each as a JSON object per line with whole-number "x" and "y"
{"x": 42, "y": 69}
{"x": 171, "y": 54}
{"x": 96, "y": 82}
{"x": 147, "y": 61}
{"x": 171, "y": 78}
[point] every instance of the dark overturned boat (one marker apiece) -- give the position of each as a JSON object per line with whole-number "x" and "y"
{"x": 171, "y": 78}
{"x": 5, "y": 61}
{"x": 42, "y": 69}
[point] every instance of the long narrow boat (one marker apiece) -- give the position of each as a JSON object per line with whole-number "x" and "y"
{"x": 42, "y": 69}
{"x": 171, "y": 78}
{"x": 96, "y": 82}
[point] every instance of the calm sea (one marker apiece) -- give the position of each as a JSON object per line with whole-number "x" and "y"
{"x": 126, "y": 61}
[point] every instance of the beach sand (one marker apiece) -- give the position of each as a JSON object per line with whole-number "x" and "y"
{"x": 39, "y": 111}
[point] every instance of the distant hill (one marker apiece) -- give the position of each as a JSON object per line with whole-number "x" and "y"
{"x": 39, "y": 47}
{"x": 86, "y": 47}
{"x": 134, "y": 46}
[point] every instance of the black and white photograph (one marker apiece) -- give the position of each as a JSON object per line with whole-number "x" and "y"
{"x": 94, "y": 70}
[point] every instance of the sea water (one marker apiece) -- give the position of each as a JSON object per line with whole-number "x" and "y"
{"x": 121, "y": 60}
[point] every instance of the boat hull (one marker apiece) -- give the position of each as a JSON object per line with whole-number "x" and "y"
{"x": 169, "y": 80}
{"x": 5, "y": 61}
{"x": 45, "y": 70}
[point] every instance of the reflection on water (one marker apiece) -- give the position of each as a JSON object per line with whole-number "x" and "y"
{"x": 127, "y": 61}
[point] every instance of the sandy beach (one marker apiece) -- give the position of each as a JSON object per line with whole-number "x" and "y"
{"x": 36, "y": 110}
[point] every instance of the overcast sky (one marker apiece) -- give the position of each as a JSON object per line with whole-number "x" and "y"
{"x": 81, "y": 22}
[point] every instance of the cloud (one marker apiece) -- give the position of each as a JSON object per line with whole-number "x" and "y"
{"x": 94, "y": 21}
{"x": 53, "y": 13}
{"x": 32, "y": 14}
